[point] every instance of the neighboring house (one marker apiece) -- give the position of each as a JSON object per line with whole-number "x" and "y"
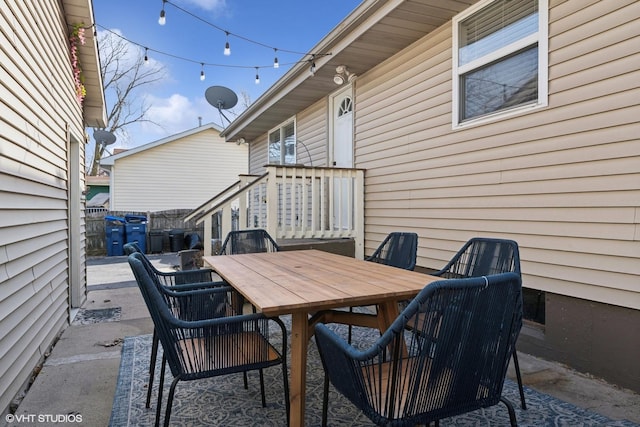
{"x": 97, "y": 185}
{"x": 177, "y": 172}
{"x": 516, "y": 119}
{"x": 42, "y": 180}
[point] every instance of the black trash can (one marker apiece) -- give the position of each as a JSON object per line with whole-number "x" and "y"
{"x": 155, "y": 241}
{"x": 176, "y": 239}
{"x": 114, "y": 232}
{"x": 136, "y": 230}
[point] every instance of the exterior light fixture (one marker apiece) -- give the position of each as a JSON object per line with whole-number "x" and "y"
{"x": 342, "y": 75}
{"x": 162, "y": 20}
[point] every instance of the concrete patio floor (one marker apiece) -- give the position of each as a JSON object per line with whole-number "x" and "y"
{"x": 79, "y": 376}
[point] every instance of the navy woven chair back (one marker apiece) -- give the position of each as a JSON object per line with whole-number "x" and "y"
{"x": 482, "y": 256}
{"x": 247, "y": 242}
{"x": 203, "y": 337}
{"x": 456, "y": 363}
{"x": 398, "y": 249}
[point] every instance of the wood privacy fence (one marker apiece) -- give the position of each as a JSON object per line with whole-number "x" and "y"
{"x": 157, "y": 222}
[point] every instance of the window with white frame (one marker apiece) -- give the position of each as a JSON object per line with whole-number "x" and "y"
{"x": 499, "y": 58}
{"x": 282, "y": 144}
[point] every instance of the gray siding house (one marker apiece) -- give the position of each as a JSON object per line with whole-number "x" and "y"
{"x": 514, "y": 119}
{"x": 50, "y": 90}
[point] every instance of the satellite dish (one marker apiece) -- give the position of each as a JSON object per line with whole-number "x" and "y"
{"x": 104, "y": 137}
{"x": 222, "y": 98}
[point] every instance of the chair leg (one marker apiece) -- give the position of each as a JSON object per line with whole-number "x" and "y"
{"x": 516, "y": 365}
{"x": 349, "y": 327}
{"x": 152, "y": 366}
{"x": 246, "y": 382}
{"x": 172, "y": 391}
{"x": 512, "y": 413}
{"x": 160, "y": 387}
{"x": 325, "y": 400}
{"x": 264, "y": 400}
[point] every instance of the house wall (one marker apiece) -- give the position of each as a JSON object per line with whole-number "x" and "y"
{"x": 41, "y": 156}
{"x": 563, "y": 181}
{"x": 311, "y": 134}
{"x": 179, "y": 174}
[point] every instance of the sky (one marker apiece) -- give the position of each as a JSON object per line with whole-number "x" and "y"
{"x": 189, "y": 39}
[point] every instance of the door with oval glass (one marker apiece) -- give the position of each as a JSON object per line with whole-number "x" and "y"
{"x": 342, "y": 156}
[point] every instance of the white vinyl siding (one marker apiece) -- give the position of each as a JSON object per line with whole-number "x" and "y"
{"x": 39, "y": 116}
{"x": 564, "y": 181}
{"x": 180, "y": 174}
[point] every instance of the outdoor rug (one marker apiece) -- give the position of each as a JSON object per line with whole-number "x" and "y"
{"x": 223, "y": 401}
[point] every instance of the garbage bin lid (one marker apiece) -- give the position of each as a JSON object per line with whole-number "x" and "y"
{"x": 135, "y": 218}
{"x": 114, "y": 218}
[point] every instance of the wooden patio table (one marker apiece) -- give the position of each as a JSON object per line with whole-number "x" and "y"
{"x": 308, "y": 284}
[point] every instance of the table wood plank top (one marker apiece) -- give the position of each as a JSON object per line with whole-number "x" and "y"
{"x": 312, "y": 280}
{"x": 307, "y": 281}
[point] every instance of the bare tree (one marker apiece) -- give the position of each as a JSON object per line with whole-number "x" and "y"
{"x": 124, "y": 71}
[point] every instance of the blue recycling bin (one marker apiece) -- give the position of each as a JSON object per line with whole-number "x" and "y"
{"x": 136, "y": 230}
{"x": 114, "y": 232}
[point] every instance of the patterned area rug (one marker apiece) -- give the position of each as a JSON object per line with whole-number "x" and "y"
{"x": 223, "y": 401}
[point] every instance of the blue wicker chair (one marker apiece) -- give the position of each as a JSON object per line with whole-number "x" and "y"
{"x": 398, "y": 249}
{"x": 482, "y": 256}
{"x": 248, "y": 242}
{"x": 203, "y": 337}
{"x": 175, "y": 280}
{"x": 457, "y": 363}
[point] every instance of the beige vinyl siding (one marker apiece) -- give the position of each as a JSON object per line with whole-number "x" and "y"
{"x": 179, "y": 174}
{"x": 312, "y": 131}
{"x": 564, "y": 181}
{"x": 38, "y": 116}
{"x": 259, "y": 155}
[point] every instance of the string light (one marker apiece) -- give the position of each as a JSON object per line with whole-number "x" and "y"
{"x": 227, "y": 48}
{"x": 275, "y": 59}
{"x": 162, "y": 20}
{"x": 312, "y": 69}
{"x": 203, "y": 64}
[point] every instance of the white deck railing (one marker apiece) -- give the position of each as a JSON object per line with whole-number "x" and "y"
{"x": 293, "y": 203}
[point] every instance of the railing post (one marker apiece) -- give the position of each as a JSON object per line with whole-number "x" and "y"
{"x": 358, "y": 214}
{"x": 207, "y": 235}
{"x": 272, "y": 201}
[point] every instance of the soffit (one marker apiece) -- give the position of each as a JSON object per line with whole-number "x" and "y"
{"x": 81, "y": 12}
{"x": 375, "y": 31}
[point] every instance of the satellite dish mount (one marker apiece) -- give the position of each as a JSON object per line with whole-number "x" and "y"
{"x": 104, "y": 137}
{"x": 222, "y": 98}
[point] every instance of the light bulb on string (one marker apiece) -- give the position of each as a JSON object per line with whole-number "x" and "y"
{"x": 162, "y": 20}
{"x": 202, "y": 76}
{"x": 146, "y": 56}
{"x": 227, "y": 48}
{"x": 275, "y": 59}
{"x": 257, "y": 76}
{"x": 312, "y": 69}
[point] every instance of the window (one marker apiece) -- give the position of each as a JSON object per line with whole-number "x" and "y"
{"x": 499, "y": 58}
{"x": 282, "y": 144}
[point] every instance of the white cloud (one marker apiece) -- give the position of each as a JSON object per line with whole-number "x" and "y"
{"x": 174, "y": 114}
{"x": 212, "y": 5}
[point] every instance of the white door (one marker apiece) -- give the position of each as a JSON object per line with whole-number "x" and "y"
{"x": 342, "y": 155}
